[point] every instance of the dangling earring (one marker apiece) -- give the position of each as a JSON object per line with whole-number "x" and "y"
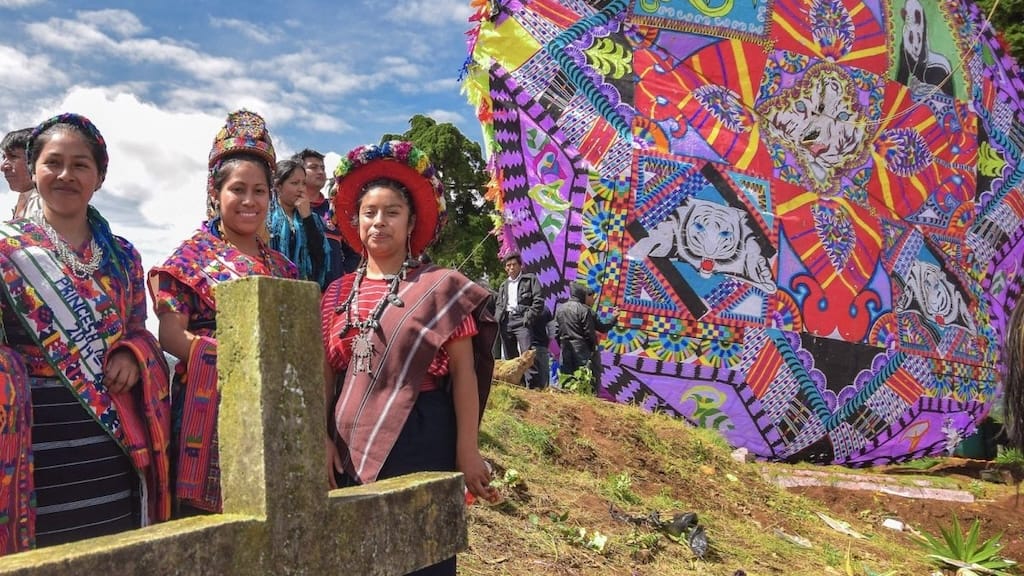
{"x": 212, "y": 207}
{"x": 410, "y": 260}
{"x": 363, "y": 259}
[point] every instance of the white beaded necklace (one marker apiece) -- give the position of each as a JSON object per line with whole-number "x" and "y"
{"x": 66, "y": 255}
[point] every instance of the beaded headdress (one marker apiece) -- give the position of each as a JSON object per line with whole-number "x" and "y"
{"x": 243, "y": 132}
{"x": 78, "y": 121}
{"x": 400, "y": 161}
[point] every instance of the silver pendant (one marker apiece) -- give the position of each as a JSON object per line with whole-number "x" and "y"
{"x": 362, "y": 349}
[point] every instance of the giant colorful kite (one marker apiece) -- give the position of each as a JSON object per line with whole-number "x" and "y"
{"x": 808, "y": 212}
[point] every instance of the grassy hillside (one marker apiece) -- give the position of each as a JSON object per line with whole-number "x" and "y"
{"x": 587, "y": 483}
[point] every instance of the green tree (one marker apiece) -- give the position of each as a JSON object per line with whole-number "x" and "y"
{"x": 466, "y": 242}
{"x": 1008, "y": 18}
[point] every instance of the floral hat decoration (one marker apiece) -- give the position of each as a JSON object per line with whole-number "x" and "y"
{"x": 244, "y": 132}
{"x": 400, "y": 161}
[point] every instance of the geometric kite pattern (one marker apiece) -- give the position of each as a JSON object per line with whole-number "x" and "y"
{"x": 810, "y": 221}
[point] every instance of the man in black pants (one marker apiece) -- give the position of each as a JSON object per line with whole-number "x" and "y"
{"x": 577, "y": 328}
{"x": 520, "y": 305}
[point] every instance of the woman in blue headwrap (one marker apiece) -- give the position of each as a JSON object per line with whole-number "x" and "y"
{"x": 295, "y": 230}
{"x": 83, "y": 385}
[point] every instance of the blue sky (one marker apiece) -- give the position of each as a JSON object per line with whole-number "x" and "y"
{"x": 158, "y": 79}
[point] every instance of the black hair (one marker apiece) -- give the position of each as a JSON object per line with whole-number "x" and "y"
{"x": 285, "y": 168}
{"x": 580, "y": 291}
{"x": 97, "y": 148}
{"x": 309, "y": 153}
{"x": 513, "y": 256}
{"x": 389, "y": 183}
{"x": 228, "y": 165}
{"x": 15, "y": 140}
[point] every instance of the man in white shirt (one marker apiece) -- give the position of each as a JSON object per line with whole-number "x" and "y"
{"x": 520, "y": 305}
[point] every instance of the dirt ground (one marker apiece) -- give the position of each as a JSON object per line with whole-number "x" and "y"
{"x": 996, "y": 513}
{"x": 568, "y": 449}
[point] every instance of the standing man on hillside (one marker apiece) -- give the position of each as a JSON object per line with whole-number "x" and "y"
{"x": 343, "y": 258}
{"x": 14, "y": 164}
{"x": 520, "y": 306}
{"x": 577, "y": 328}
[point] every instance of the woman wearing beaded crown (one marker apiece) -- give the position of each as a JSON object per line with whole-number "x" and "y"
{"x": 408, "y": 345}
{"x": 77, "y": 354}
{"x": 228, "y": 245}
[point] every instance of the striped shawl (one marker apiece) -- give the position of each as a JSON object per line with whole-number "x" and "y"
{"x": 372, "y": 408}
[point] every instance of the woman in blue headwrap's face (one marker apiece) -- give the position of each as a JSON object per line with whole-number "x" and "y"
{"x": 66, "y": 175}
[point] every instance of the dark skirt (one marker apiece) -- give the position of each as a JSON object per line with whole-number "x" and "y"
{"x": 86, "y": 485}
{"x": 425, "y": 444}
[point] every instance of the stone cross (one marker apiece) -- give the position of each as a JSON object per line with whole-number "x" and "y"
{"x": 280, "y": 518}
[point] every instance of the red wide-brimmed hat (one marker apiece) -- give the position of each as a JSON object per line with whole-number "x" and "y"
{"x": 400, "y": 161}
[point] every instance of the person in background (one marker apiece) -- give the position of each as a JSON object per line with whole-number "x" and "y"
{"x": 346, "y": 259}
{"x": 520, "y": 306}
{"x": 295, "y": 230}
{"x": 83, "y": 385}
{"x": 541, "y": 342}
{"x": 227, "y": 246}
{"x": 1013, "y": 378}
{"x": 408, "y": 344}
{"x": 576, "y": 328}
{"x": 15, "y": 168}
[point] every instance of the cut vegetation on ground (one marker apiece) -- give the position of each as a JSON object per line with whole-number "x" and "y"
{"x": 594, "y": 488}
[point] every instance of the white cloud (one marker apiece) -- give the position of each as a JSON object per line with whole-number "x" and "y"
{"x": 438, "y": 85}
{"x": 247, "y": 29}
{"x": 434, "y": 12}
{"x": 183, "y": 58}
{"x": 69, "y": 35}
{"x": 23, "y": 73}
{"x": 154, "y": 194}
{"x": 323, "y": 123}
{"x": 310, "y": 73}
{"x": 397, "y": 66}
{"x": 165, "y": 87}
{"x": 121, "y": 22}
{"x": 446, "y": 116}
{"x": 81, "y": 37}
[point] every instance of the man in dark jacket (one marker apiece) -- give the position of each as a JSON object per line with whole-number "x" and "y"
{"x": 577, "y": 328}
{"x": 520, "y": 305}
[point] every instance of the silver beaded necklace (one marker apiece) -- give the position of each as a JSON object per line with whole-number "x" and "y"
{"x": 66, "y": 255}
{"x": 362, "y": 344}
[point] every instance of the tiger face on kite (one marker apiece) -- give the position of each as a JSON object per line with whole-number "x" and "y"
{"x": 805, "y": 214}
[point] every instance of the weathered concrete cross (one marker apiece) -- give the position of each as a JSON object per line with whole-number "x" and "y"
{"x": 279, "y": 516}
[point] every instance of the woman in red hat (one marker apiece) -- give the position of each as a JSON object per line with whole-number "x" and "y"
{"x": 230, "y": 244}
{"x": 408, "y": 344}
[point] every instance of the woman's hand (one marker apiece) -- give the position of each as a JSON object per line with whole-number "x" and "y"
{"x": 477, "y": 475}
{"x": 334, "y": 463}
{"x": 121, "y": 372}
{"x": 302, "y": 207}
